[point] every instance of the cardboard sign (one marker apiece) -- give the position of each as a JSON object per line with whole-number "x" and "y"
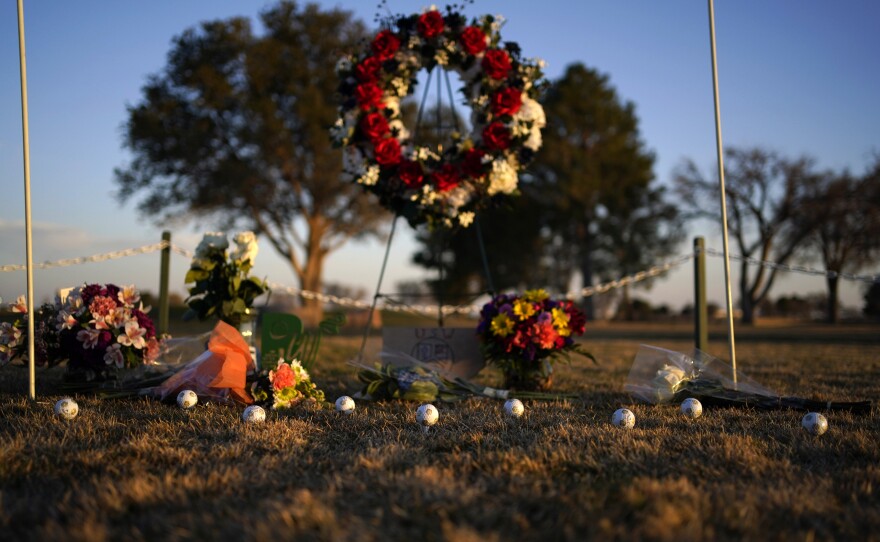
{"x": 453, "y": 351}
{"x": 280, "y": 332}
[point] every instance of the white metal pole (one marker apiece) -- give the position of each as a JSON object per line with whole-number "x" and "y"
{"x": 720, "y": 151}
{"x": 32, "y": 388}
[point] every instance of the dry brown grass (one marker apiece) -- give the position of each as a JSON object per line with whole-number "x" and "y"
{"x": 140, "y": 470}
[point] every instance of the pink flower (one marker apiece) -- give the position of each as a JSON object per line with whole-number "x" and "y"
{"x": 129, "y": 295}
{"x": 89, "y": 337}
{"x": 65, "y": 320}
{"x": 133, "y": 336}
{"x": 152, "y": 350}
{"x": 113, "y": 356}
{"x": 20, "y": 304}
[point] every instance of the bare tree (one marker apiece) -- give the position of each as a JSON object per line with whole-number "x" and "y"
{"x": 764, "y": 191}
{"x": 844, "y": 214}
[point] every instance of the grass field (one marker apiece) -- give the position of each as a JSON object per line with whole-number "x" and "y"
{"x": 141, "y": 470}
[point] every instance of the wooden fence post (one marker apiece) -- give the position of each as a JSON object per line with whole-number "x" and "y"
{"x": 164, "y": 273}
{"x": 701, "y": 312}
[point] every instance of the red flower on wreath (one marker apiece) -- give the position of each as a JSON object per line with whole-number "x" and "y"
{"x": 368, "y": 95}
{"x": 374, "y": 126}
{"x": 472, "y": 165}
{"x": 473, "y": 40}
{"x": 368, "y": 69}
{"x": 387, "y": 152}
{"x": 496, "y": 137}
{"x": 447, "y": 178}
{"x": 496, "y": 63}
{"x": 430, "y": 24}
{"x": 385, "y": 45}
{"x": 506, "y": 101}
{"x": 411, "y": 173}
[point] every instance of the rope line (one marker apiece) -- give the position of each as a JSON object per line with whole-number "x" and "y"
{"x": 462, "y": 309}
{"x": 797, "y": 268}
{"x": 90, "y": 259}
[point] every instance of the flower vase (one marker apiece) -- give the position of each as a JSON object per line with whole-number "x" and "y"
{"x": 528, "y": 382}
{"x": 248, "y": 329}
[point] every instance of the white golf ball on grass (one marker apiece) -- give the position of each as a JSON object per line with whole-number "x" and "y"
{"x": 692, "y": 408}
{"x": 514, "y": 408}
{"x": 345, "y": 405}
{"x": 427, "y": 415}
{"x": 187, "y": 399}
{"x": 815, "y": 423}
{"x": 254, "y": 414}
{"x": 66, "y": 408}
{"x": 623, "y": 418}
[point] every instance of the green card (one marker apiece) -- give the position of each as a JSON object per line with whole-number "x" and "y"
{"x": 279, "y": 335}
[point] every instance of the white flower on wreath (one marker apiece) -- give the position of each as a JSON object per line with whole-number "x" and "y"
{"x": 344, "y": 65}
{"x": 466, "y": 218}
{"x": 246, "y": 247}
{"x": 534, "y": 141}
{"x": 503, "y": 178}
{"x": 398, "y": 126}
{"x": 531, "y": 111}
{"x": 458, "y": 196}
{"x": 370, "y": 177}
{"x": 442, "y": 57}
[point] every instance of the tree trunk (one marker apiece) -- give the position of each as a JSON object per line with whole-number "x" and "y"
{"x": 311, "y": 281}
{"x": 831, "y": 314}
{"x": 586, "y": 251}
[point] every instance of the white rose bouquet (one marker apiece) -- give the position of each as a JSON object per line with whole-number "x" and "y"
{"x": 219, "y": 274}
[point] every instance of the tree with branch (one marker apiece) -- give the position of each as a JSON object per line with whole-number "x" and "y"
{"x": 235, "y": 130}
{"x": 764, "y": 196}
{"x": 844, "y": 213}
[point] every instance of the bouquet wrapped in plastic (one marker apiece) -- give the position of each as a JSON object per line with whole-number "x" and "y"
{"x": 664, "y": 376}
{"x": 401, "y": 376}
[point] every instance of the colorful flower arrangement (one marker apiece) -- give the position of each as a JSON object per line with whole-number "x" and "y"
{"x": 98, "y": 328}
{"x": 524, "y": 334}
{"x": 439, "y": 186}
{"x": 285, "y": 386}
{"x": 13, "y": 335}
{"x": 221, "y": 285}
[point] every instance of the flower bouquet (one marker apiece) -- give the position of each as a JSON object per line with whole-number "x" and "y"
{"x": 221, "y": 286}
{"x": 13, "y": 336}
{"x": 286, "y": 385}
{"x": 524, "y": 335}
{"x": 661, "y": 376}
{"x": 99, "y": 329}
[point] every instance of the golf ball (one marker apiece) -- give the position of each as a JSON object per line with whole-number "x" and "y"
{"x": 254, "y": 414}
{"x": 427, "y": 415}
{"x": 345, "y": 404}
{"x": 187, "y": 399}
{"x": 66, "y": 408}
{"x": 691, "y": 408}
{"x": 514, "y": 408}
{"x": 815, "y": 423}
{"x": 623, "y": 418}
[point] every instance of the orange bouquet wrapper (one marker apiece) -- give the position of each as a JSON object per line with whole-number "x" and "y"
{"x": 219, "y": 374}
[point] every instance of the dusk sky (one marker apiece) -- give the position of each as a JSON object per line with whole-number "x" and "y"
{"x": 798, "y": 77}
